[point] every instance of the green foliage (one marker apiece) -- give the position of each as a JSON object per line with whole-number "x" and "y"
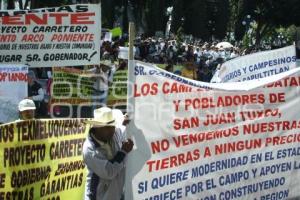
{"x": 268, "y": 16}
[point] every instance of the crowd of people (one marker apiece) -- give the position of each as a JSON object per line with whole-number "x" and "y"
{"x": 194, "y": 60}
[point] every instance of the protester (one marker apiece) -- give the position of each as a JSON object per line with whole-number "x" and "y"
{"x": 189, "y": 70}
{"x": 170, "y": 67}
{"x": 205, "y": 74}
{"x": 26, "y": 109}
{"x": 36, "y": 93}
{"x": 104, "y": 153}
{"x": 103, "y": 77}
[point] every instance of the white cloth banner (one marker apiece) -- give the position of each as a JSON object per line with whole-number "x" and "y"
{"x": 62, "y": 36}
{"x": 197, "y": 140}
{"x": 124, "y": 52}
{"x": 257, "y": 65}
{"x": 13, "y": 88}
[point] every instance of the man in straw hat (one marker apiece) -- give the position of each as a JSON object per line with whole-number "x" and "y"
{"x": 104, "y": 153}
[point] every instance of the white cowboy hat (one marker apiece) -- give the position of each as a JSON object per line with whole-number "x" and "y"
{"x": 103, "y": 117}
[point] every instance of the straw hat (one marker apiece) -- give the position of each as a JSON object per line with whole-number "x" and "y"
{"x": 103, "y": 117}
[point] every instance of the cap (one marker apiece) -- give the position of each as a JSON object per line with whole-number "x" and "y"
{"x": 31, "y": 74}
{"x": 26, "y": 104}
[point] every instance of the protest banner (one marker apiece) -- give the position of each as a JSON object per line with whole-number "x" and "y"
{"x": 13, "y": 88}
{"x": 257, "y": 65}
{"x": 42, "y": 159}
{"x": 116, "y": 32}
{"x": 196, "y": 140}
{"x": 118, "y": 90}
{"x": 61, "y": 36}
{"x": 71, "y": 86}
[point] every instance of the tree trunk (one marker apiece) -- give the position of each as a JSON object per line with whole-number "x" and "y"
{"x": 10, "y": 5}
{"x": 258, "y": 34}
{"x": 26, "y": 4}
{"x": 21, "y": 4}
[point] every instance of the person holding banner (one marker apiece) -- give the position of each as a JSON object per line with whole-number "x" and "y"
{"x": 103, "y": 78}
{"x": 104, "y": 153}
{"x": 35, "y": 93}
{"x": 26, "y": 109}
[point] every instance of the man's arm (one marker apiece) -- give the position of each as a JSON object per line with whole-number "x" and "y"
{"x": 108, "y": 169}
{"x": 104, "y": 168}
{"x": 40, "y": 96}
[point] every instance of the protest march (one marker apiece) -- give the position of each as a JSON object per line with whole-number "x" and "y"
{"x": 152, "y": 100}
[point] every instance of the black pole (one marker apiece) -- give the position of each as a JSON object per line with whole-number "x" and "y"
{"x": 298, "y": 44}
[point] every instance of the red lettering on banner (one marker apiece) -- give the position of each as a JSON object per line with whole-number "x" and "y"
{"x": 33, "y": 38}
{"x": 176, "y": 103}
{"x": 29, "y": 18}
{"x": 168, "y": 88}
{"x": 207, "y": 152}
{"x": 146, "y": 89}
{"x": 252, "y": 115}
{"x": 3, "y": 76}
{"x": 195, "y": 138}
{"x": 287, "y": 82}
{"x": 82, "y": 18}
{"x": 8, "y": 38}
{"x": 224, "y": 101}
{"x": 270, "y": 127}
{"x": 277, "y": 98}
{"x": 13, "y": 77}
{"x": 58, "y": 17}
{"x": 173, "y": 161}
{"x": 159, "y": 146}
{"x": 237, "y": 146}
{"x": 12, "y": 20}
{"x": 281, "y": 140}
{"x": 223, "y": 118}
{"x": 45, "y": 19}
{"x": 186, "y": 123}
{"x": 85, "y": 37}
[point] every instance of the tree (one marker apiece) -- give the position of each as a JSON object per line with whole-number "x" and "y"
{"x": 47, "y": 3}
{"x": 178, "y": 15}
{"x": 222, "y": 19}
{"x": 156, "y": 16}
{"x": 268, "y": 15}
{"x": 10, "y": 4}
{"x": 107, "y": 13}
{"x": 196, "y": 19}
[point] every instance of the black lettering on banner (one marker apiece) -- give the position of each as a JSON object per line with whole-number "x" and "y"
{"x": 60, "y": 29}
{"x": 78, "y": 8}
{"x": 65, "y": 56}
{"x": 68, "y": 167}
{"x": 54, "y": 198}
{"x": 66, "y": 148}
{"x": 61, "y": 184}
{"x": 13, "y": 29}
{"x": 39, "y": 130}
{"x": 26, "y": 194}
{"x": 2, "y": 180}
{"x": 10, "y": 58}
{"x": 6, "y": 133}
{"x": 23, "y": 155}
{"x": 26, "y": 177}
